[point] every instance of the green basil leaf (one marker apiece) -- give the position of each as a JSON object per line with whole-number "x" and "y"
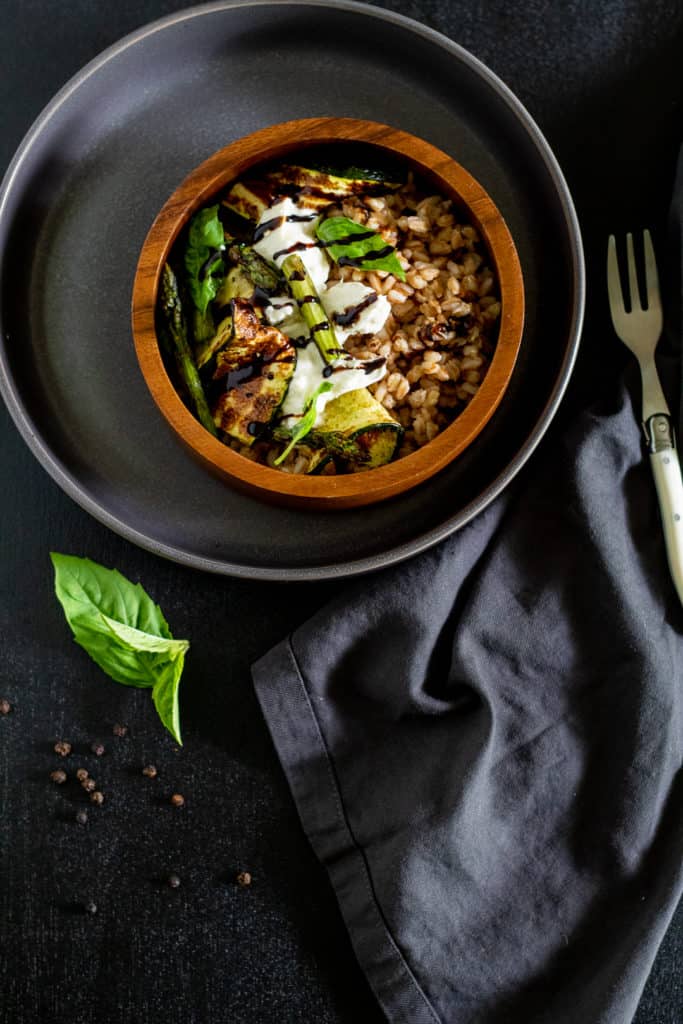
{"x": 165, "y": 695}
{"x": 349, "y": 243}
{"x": 118, "y": 624}
{"x": 136, "y": 640}
{"x": 204, "y": 262}
{"x": 305, "y": 424}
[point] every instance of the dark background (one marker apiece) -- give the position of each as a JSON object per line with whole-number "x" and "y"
{"x": 604, "y": 82}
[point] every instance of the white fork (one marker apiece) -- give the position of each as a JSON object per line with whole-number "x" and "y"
{"x": 640, "y": 330}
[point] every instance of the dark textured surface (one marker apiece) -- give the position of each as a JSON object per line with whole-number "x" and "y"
{"x": 277, "y": 951}
{"x": 85, "y": 176}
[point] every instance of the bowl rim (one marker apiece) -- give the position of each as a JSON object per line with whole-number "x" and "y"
{"x": 273, "y": 142}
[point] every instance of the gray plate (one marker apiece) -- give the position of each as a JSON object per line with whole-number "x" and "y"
{"x": 86, "y": 184}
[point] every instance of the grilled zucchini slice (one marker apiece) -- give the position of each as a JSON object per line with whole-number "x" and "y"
{"x": 319, "y": 188}
{"x": 308, "y": 186}
{"x": 205, "y": 352}
{"x": 249, "y": 199}
{"x": 251, "y": 278}
{"x": 253, "y": 373}
{"x": 360, "y": 418}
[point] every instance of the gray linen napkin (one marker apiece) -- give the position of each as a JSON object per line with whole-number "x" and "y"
{"x": 484, "y": 744}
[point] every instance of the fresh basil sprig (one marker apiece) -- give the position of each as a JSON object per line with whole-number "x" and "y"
{"x": 204, "y": 261}
{"x": 122, "y": 630}
{"x": 305, "y": 424}
{"x": 349, "y": 243}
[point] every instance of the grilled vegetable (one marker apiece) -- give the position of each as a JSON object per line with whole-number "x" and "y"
{"x": 208, "y": 349}
{"x": 372, "y": 176}
{"x": 255, "y": 369}
{"x": 331, "y": 444}
{"x": 319, "y": 188}
{"x": 237, "y": 285}
{"x": 359, "y": 418}
{"x": 171, "y": 308}
{"x": 303, "y": 290}
{"x": 308, "y": 186}
{"x": 355, "y": 430}
{"x": 249, "y": 200}
{"x": 251, "y": 278}
{"x": 318, "y": 460}
{"x": 263, "y": 275}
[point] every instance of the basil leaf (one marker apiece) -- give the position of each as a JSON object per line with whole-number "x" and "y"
{"x": 165, "y": 696}
{"x": 203, "y": 257}
{"x": 349, "y": 243}
{"x": 120, "y": 627}
{"x": 305, "y": 424}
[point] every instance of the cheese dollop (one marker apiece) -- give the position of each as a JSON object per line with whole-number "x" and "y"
{"x": 294, "y": 225}
{"x": 346, "y": 296}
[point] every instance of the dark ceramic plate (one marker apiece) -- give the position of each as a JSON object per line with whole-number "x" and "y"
{"x": 98, "y": 164}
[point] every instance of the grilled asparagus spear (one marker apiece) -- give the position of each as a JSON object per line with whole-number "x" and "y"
{"x": 173, "y": 314}
{"x": 303, "y": 290}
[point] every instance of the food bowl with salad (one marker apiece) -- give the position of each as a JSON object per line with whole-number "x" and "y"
{"x": 328, "y": 311}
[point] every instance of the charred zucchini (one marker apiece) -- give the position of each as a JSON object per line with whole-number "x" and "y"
{"x": 249, "y": 278}
{"x": 208, "y": 349}
{"x": 354, "y": 429}
{"x": 319, "y": 188}
{"x": 372, "y": 176}
{"x": 307, "y": 186}
{"x": 237, "y": 285}
{"x": 253, "y": 371}
{"x": 250, "y": 199}
{"x": 263, "y": 275}
{"x": 361, "y": 419}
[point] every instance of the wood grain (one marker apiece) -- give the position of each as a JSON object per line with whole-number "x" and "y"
{"x": 333, "y": 492}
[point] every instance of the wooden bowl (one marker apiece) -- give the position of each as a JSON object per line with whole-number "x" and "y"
{"x": 449, "y": 178}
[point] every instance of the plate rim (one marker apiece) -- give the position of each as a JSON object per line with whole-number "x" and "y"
{"x": 78, "y": 492}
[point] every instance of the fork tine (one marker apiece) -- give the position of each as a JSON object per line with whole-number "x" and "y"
{"x": 632, "y": 275}
{"x": 651, "y": 278}
{"x": 616, "y": 298}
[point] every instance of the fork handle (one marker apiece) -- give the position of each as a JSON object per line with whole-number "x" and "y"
{"x": 666, "y": 470}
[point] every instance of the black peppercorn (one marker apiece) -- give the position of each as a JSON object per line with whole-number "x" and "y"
{"x": 62, "y": 748}
{"x": 97, "y": 797}
{"x": 88, "y": 784}
{"x": 58, "y": 776}
{"x": 150, "y": 771}
{"x": 82, "y": 817}
{"x": 120, "y": 730}
{"x": 97, "y": 749}
{"x": 5, "y": 706}
{"x": 243, "y": 879}
{"x": 90, "y": 907}
{"x": 174, "y": 881}
{"x": 81, "y": 774}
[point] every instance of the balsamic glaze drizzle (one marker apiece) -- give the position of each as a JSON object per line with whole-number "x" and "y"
{"x": 350, "y": 315}
{"x": 208, "y": 263}
{"x": 275, "y": 222}
{"x": 369, "y": 257}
